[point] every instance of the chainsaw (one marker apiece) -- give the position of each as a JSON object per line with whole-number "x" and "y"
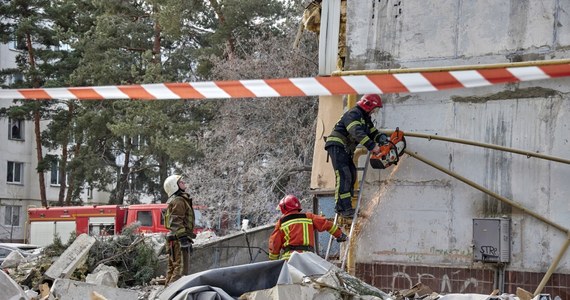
{"x": 390, "y": 152}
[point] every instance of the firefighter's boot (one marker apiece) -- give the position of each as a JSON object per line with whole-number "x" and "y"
{"x": 344, "y": 208}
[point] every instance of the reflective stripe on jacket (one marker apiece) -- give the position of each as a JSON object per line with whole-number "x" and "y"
{"x": 179, "y": 216}
{"x": 354, "y": 127}
{"x": 297, "y": 229}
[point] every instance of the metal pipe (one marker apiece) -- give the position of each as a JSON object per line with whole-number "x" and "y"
{"x": 454, "y": 68}
{"x": 556, "y": 261}
{"x": 487, "y": 191}
{"x": 350, "y": 100}
{"x": 329, "y": 244}
{"x": 352, "y": 244}
{"x": 478, "y": 144}
{"x": 350, "y": 259}
{"x": 552, "y": 267}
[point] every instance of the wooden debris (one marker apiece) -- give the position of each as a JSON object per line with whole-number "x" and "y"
{"x": 523, "y": 294}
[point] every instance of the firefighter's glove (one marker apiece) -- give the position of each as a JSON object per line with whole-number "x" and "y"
{"x": 376, "y": 150}
{"x": 185, "y": 243}
{"x": 342, "y": 238}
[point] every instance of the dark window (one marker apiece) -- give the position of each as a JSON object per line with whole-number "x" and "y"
{"x": 55, "y": 173}
{"x": 15, "y": 172}
{"x": 16, "y": 129}
{"x": 54, "y": 180}
{"x": 145, "y": 218}
{"x": 12, "y": 215}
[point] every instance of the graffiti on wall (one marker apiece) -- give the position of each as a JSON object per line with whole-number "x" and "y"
{"x": 445, "y": 281}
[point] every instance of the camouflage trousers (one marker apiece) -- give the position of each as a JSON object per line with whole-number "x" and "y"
{"x": 178, "y": 262}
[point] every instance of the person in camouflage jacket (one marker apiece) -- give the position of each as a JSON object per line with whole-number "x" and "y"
{"x": 179, "y": 220}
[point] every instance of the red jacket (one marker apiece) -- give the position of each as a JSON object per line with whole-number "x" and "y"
{"x": 295, "y": 232}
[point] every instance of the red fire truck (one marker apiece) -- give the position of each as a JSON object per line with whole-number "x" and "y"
{"x": 44, "y": 223}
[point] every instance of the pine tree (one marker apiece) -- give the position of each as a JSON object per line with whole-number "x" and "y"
{"x": 28, "y": 23}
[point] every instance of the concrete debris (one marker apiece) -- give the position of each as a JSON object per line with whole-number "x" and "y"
{"x": 159, "y": 280}
{"x": 66, "y": 289}
{"x": 13, "y": 260}
{"x": 104, "y": 275}
{"x": 10, "y": 289}
{"x": 205, "y": 236}
{"x": 31, "y": 294}
{"x": 157, "y": 241}
{"x": 274, "y": 280}
{"x": 305, "y": 276}
{"x": 477, "y": 297}
{"x": 418, "y": 291}
{"x": 284, "y": 292}
{"x": 71, "y": 258}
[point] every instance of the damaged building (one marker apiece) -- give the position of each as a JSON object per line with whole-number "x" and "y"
{"x": 454, "y": 214}
{"x": 478, "y": 202}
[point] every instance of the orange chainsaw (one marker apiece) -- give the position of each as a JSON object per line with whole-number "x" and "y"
{"x": 390, "y": 152}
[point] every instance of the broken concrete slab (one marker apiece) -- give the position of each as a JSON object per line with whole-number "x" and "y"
{"x": 282, "y": 292}
{"x": 301, "y": 291}
{"x": 474, "y": 297}
{"x": 67, "y": 289}
{"x": 10, "y": 289}
{"x": 104, "y": 275}
{"x": 31, "y": 294}
{"x": 71, "y": 258}
{"x": 12, "y": 260}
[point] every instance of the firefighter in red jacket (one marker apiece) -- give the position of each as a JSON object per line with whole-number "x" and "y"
{"x": 294, "y": 231}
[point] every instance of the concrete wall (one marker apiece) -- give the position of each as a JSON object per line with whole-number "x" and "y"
{"x": 232, "y": 250}
{"x": 421, "y": 216}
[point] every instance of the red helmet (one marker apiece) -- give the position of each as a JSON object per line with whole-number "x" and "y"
{"x": 289, "y": 203}
{"x": 369, "y": 102}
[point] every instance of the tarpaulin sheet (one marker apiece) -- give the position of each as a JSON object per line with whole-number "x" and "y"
{"x": 228, "y": 283}
{"x": 231, "y": 282}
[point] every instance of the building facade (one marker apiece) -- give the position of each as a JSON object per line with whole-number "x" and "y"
{"x": 19, "y": 187}
{"x": 420, "y": 224}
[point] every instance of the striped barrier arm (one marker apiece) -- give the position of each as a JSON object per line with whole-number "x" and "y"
{"x": 295, "y": 87}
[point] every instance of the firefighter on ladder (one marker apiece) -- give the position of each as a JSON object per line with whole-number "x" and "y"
{"x": 179, "y": 219}
{"x": 354, "y": 127}
{"x": 294, "y": 232}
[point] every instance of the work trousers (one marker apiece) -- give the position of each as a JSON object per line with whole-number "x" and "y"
{"x": 178, "y": 262}
{"x": 345, "y": 177}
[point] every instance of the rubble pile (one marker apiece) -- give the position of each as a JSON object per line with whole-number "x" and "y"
{"x": 114, "y": 267}
{"x": 128, "y": 267}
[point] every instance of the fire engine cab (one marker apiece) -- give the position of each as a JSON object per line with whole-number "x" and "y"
{"x": 97, "y": 220}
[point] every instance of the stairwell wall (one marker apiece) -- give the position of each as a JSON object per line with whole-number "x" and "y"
{"x": 419, "y": 217}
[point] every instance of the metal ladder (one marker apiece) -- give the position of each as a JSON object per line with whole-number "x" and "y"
{"x": 354, "y": 219}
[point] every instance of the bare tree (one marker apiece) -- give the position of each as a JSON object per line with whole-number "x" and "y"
{"x": 259, "y": 149}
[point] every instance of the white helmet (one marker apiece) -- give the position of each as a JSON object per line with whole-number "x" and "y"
{"x": 171, "y": 184}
